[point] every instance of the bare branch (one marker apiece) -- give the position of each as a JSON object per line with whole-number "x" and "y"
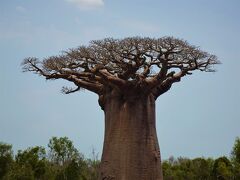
{"x": 67, "y": 90}
{"x": 145, "y": 63}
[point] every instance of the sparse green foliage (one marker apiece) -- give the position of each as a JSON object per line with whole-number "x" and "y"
{"x": 63, "y": 163}
{"x": 33, "y": 158}
{"x": 66, "y": 159}
{"x": 201, "y": 168}
{"x": 62, "y": 150}
{"x": 6, "y": 158}
{"x": 20, "y": 172}
{"x": 196, "y": 169}
{"x": 222, "y": 169}
{"x": 236, "y": 151}
{"x": 235, "y": 156}
{"x": 33, "y": 164}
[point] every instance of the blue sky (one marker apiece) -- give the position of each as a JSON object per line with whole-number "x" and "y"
{"x": 199, "y": 116}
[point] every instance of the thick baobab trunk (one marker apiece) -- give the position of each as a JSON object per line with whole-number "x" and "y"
{"x": 131, "y": 150}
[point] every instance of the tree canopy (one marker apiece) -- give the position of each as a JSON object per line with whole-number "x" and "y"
{"x": 143, "y": 64}
{"x": 6, "y": 158}
{"x": 62, "y": 150}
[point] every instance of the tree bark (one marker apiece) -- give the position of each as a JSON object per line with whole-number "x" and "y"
{"x": 131, "y": 150}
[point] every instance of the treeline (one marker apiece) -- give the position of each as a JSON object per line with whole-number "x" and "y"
{"x": 222, "y": 168}
{"x": 63, "y": 161}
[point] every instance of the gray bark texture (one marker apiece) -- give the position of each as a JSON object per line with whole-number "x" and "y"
{"x": 131, "y": 150}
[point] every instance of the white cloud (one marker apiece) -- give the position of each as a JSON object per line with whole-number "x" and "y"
{"x": 21, "y": 9}
{"x": 87, "y": 4}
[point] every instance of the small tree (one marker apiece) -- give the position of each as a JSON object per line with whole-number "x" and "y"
{"x": 128, "y": 75}
{"x": 62, "y": 150}
{"x": 66, "y": 159}
{"x": 236, "y": 151}
{"x": 33, "y": 159}
{"x": 201, "y": 168}
{"x": 236, "y": 158}
{"x": 6, "y": 158}
{"x": 222, "y": 169}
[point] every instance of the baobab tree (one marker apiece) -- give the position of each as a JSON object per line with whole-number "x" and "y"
{"x": 128, "y": 75}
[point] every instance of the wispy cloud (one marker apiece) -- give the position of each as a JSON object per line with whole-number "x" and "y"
{"x": 87, "y": 4}
{"x": 21, "y": 9}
